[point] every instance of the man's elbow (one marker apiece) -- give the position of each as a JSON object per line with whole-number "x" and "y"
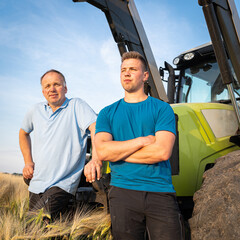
{"x": 106, "y": 156}
{"x": 163, "y": 156}
{"x": 101, "y": 153}
{"x": 101, "y": 156}
{"x": 166, "y": 156}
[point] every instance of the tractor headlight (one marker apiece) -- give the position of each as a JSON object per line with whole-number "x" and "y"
{"x": 176, "y": 60}
{"x": 188, "y": 56}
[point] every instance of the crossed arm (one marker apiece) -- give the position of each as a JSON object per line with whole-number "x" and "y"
{"x": 145, "y": 150}
{"x": 160, "y": 150}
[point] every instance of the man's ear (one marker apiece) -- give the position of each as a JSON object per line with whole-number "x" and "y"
{"x": 146, "y": 76}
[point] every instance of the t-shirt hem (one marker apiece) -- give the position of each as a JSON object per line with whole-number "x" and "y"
{"x": 147, "y": 189}
{"x": 103, "y": 130}
{"x": 167, "y": 130}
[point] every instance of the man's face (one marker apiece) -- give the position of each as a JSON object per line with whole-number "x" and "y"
{"x": 132, "y": 75}
{"x": 54, "y": 89}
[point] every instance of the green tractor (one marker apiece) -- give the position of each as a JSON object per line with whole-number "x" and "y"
{"x": 206, "y": 119}
{"x": 207, "y": 127}
{"x": 203, "y": 89}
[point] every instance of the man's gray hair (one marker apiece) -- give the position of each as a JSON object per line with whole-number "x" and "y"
{"x": 53, "y": 71}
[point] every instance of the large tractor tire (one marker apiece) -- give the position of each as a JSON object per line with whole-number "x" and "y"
{"x": 216, "y": 214}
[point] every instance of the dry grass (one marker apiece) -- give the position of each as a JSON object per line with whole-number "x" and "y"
{"x": 17, "y": 223}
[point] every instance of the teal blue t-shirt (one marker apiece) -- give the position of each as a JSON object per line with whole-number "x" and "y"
{"x": 125, "y": 121}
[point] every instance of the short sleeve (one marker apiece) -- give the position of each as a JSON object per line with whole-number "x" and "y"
{"x": 85, "y": 114}
{"x": 166, "y": 119}
{"x": 103, "y": 124}
{"x": 27, "y": 124}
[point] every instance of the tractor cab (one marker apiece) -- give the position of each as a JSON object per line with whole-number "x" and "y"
{"x": 197, "y": 78}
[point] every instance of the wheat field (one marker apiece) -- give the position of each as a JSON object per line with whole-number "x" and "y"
{"x": 17, "y": 223}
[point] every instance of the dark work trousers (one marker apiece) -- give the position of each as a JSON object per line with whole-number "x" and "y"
{"x": 54, "y": 200}
{"x": 135, "y": 213}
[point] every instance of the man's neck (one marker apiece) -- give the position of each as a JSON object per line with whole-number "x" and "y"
{"x": 57, "y": 106}
{"x": 54, "y": 108}
{"x": 135, "y": 97}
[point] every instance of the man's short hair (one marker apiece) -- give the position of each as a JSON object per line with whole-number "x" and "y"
{"x": 53, "y": 71}
{"x": 135, "y": 55}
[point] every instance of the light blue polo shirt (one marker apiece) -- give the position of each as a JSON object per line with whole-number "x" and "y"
{"x": 59, "y": 143}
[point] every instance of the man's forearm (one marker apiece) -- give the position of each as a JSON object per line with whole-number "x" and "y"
{"x": 92, "y": 128}
{"x": 25, "y": 146}
{"x": 92, "y": 170}
{"x": 109, "y": 150}
{"x": 115, "y": 150}
{"x": 148, "y": 155}
{"x": 160, "y": 150}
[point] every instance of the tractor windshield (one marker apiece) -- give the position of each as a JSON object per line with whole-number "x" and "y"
{"x": 203, "y": 83}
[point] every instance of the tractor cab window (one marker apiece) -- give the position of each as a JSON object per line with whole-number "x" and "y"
{"x": 203, "y": 83}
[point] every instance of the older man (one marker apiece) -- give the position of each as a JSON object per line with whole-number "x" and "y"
{"x": 55, "y": 160}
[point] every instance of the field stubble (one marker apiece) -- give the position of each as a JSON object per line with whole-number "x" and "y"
{"x": 17, "y": 223}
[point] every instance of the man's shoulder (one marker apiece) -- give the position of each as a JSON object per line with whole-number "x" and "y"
{"x": 112, "y": 106}
{"x": 79, "y": 106}
{"x": 77, "y": 102}
{"x": 156, "y": 100}
{"x": 32, "y": 114}
{"x": 37, "y": 106}
{"x": 159, "y": 102}
{"x": 115, "y": 103}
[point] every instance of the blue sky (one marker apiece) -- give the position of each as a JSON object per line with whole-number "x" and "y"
{"x": 74, "y": 38}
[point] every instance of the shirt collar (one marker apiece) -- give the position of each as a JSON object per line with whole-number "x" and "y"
{"x": 63, "y": 105}
{"x": 49, "y": 109}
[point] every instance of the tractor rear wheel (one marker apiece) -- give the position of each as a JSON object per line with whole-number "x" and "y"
{"x": 216, "y": 213}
